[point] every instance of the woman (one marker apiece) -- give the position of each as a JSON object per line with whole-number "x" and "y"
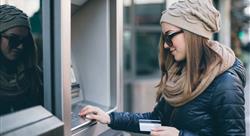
{"x": 201, "y": 87}
{"x": 20, "y": 77}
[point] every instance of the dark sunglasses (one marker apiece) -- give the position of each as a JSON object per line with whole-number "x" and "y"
{"x": 168, "y": 38}
{"x": 14, "y": 40}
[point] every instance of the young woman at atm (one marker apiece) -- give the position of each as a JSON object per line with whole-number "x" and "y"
{"x": 201, "y": 90}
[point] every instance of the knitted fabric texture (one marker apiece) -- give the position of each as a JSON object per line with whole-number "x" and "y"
{"x": 197, "y": 16}
{"x": 174, "y": 92}
{"x": 11, "y": 17}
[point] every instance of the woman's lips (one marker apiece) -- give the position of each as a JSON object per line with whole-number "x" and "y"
{"x": 172, "y": 51}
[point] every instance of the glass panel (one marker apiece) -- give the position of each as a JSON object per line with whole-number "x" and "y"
{"x": 128, "y": 89}
{"x": 127, "y": 50}
{"x": 21, "y": 73}
{"x": 148, "y": 12}
{"x": 147, "y": 53}
{"x": 126, "y": 11}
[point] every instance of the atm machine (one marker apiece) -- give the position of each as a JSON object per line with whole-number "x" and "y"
{"x": 96, "y": 58}
{"x": 82, "y": 65}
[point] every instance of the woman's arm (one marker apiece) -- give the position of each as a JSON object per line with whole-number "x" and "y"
{"x": 130, "y": 121}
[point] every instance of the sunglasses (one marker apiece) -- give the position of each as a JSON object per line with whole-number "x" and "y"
{"x": 14, "y": 40}
{"x": 168, "y": 38}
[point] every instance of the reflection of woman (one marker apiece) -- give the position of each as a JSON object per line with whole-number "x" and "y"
{"x": 20, "y": 77}
{"x": 201, "y": 88}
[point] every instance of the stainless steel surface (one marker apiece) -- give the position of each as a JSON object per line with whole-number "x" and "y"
{"x": 119, "y": 54}
{"x": 32, "y": 121}
{"x": 46, "y": 26}
{"x": 101, "y": 86}
{"x": 16, "y": 120}
{"x": 49, "y": 127}
{"x": 61, "y": 62}
{"x": 91, "y": 51}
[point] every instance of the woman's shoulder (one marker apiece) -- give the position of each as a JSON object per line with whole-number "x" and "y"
{"x": 232, "y": 79}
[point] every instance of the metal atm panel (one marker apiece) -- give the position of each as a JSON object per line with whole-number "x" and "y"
{"x": 95, "y": 59}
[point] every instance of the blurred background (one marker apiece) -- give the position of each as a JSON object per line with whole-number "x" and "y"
{"x": 141, "y": 37}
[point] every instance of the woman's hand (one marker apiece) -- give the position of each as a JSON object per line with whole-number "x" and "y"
{"x": 164, "y": 131}
{"x": 95, "y": 113}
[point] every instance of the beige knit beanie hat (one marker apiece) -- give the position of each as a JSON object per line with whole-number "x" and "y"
{"x": 11, "y": 16}
{"x": 197, "y": 16}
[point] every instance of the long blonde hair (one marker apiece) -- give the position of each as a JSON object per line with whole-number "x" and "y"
{"x": 199, "y": 57}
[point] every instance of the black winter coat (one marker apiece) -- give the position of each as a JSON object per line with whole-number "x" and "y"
{"x": 218, "y": 111}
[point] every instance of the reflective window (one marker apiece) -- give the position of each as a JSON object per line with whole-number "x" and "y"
{"x": 127, "y": 51}
{"x": 127, "y": 11}
{"x": 148, "y": 12}
{"x": 141, "y": 37}
{"x": 21, "y": 83}
{"x": 147, "y": 53}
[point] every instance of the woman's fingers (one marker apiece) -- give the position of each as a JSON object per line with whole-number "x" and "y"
{"x": 165, "y": 131}
{"x": 93, "y": 117}
{"x": 154, "y": 133}
{"x": 88, "y": 110}
{"x": 95, "y": 113}
{"x": 85, "y": 108}
{"x": 159, "y": 128}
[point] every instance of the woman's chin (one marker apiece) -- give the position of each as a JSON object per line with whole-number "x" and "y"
{"x": 178, "y": 59}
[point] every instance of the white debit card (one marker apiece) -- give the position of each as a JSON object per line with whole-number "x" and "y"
{"x": 148, "y": 125}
